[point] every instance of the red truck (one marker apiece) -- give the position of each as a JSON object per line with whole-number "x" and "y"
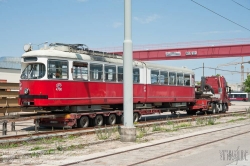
{"x": 211, "y": 96}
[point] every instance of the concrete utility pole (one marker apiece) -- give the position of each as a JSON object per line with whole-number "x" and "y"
{"x": 128, "y": 131}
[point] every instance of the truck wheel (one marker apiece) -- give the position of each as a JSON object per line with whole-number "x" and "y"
{"x": 83, "y": 122}
{"x": 136, "y": 117}
{"x": 223, "y": 110}
{"x": 98, "y": 120}
{"x": 214, "y": 109}
{"x": 112, "y": 119}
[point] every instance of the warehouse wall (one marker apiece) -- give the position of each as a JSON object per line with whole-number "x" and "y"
{"x": 11, "y": 75}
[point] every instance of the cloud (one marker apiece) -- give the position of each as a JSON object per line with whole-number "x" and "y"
{"x": 147, "y": 19}
{"x": 117, "y": 24}
{"x": 82, "y": 0}
{"x": 217, "y": 32}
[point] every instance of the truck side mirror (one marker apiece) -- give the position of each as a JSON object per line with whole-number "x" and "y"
{"x": 229, "y": 90}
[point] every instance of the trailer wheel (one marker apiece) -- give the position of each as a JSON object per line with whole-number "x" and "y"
{"x": 112, "y": 119}
{"x": 122, "y": 119}
{"x": 136, "y": 117}
{"x": 98, "y": 120}
{"x": 83, "y": 122}
{"x": 191, "y": 112}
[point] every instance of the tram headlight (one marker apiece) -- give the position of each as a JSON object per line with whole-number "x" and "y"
{"x": 26, "y": 91}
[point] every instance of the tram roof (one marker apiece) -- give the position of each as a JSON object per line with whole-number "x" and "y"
{"x": 52, "y": 53}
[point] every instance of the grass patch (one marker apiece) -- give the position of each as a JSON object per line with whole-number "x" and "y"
{"x": 36, "y": 148}
{"x": 235, "y": 120}
{"x": 103, "y": 134}
{"x": 183, "y": 125}
{"x": 49, "y": 151}
{"x": 71, "y": 137}
{"x": 8, "y": 145}
{"x": 157, "y": 128}
{"x": 211, "y": 121}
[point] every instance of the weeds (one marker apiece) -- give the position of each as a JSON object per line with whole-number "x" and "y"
{"x": 211, "y": 121}
{"x": 8, "y": 145}
{"x": 103, "y": 134}
{"x": 71, "y": 137}
{"x": 59, "y": 147}
{"x": 200, "y": 121}
{"x": 140, "y": 134}
{"x": 36, "y": 148}
{"x": 169, "y": 122}
{"x": 50, "y": 151}
{"x": 157, "y": 128}
{"x": 35, "y": 154}
{"x": 234, "y": 120}
{"x": 183, "y": 125}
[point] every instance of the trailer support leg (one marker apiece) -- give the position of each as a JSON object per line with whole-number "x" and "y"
{"x": 36, "y": 125}
{"x": 4, "y": 128}
{"x": 13, "y": 126}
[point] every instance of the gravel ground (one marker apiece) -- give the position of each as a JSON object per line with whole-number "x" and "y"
{"x": 45, "y": 151}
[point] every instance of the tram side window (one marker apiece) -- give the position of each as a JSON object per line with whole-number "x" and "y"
{"x": 57, "y": 69}
{"x": 163, "y": 78}
{"x": 120, "y": 74}
{"x": 136, "y": 75}
{"x": 172, "y": 78}
{"x": 110, "y": 73}
{"x": 154, "y": 76}
{"x": 179, "y": 78}
{"x": 80, "y": 71}
{"x": 186, "y": 79}
{"x": 96, "y": 72}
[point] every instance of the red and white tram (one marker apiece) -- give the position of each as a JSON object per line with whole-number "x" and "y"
{"x": 69, "y": 77}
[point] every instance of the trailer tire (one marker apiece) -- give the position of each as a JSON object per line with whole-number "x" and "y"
{"x": 136, "y": 117}
{"x": 98, "y": 120}
{"x": 191, "y": 112}
{"x": 112, "y": 119}
{"x": 122, "y": 119}
{"x": 83, "y": 122}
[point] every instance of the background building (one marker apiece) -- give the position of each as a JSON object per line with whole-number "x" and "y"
{"x": 10, "y": 69}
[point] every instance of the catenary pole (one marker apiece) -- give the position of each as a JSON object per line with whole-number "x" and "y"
{"x": 128, "y": 131}
{"x": 127, "y": 66}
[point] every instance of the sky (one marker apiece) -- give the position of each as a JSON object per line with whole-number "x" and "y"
{"x": 100, "y": 23}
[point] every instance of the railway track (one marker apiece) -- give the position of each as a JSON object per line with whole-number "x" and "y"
{"x": 92, "y": 130}
{"x": 156, "y": 150}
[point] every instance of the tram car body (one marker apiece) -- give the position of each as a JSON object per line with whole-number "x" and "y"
{"x": 68, "y": 77}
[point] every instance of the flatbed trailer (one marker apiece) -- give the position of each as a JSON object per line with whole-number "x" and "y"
{"x": 97, "y": 118}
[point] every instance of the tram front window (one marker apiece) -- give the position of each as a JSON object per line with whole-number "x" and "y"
{"x": 33, "y": 71}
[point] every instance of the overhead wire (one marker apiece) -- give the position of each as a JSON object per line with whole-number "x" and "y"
{"x": 240, "y": 5}
{"x": 219, "y": 69}
{"x": 221, "y": 15}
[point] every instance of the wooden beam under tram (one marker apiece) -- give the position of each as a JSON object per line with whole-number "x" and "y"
{"x": 12, "y": 86}
{"x": 9, "y": 94}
